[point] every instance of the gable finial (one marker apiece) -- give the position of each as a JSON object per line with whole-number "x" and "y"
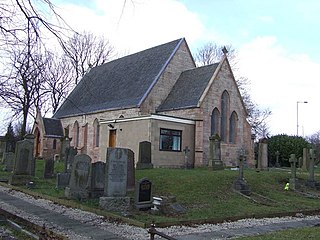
{"x": 224, "y": 50}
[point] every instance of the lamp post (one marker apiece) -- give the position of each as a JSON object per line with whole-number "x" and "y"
{"x": 298, "y": 115}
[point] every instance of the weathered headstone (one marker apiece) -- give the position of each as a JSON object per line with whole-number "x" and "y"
{"x": 215, "y": 162}
{"x": 263, "y": 155}
{"x": 8, "y": 161}
{"x": 97, "y": 179}
{"x": 130, "y": 171}
{"x": 79, "y": 180}
{"x": 24, "y": 166}
{"x": 144, "y": 161}
{"x": 63, "y": 180}
{"x": 311, "y": 182}
{"x": 48, "y": 168}
{"x": 143, "y": 194}
{"x": 305, "y": 159}
{"x": 240, "y": 184}
{"x": 116, "y": 180}
{"x": 65, "y": 143}
{"x": 71, "y": 152}
{"x": 292, "y": 180}
{"x": 187, "y": 158}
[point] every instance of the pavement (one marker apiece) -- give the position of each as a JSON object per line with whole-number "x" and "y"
{"x": 63, "y": 221}
{"x": 94, "y": 232}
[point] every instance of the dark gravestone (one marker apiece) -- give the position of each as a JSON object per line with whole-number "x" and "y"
{"x": 71, "y": 152}
{"x": 130, "y": 171}
{"x": 97, "y": 179}
{"x": 144, "y": 161}
{"x": 143, "y": 194}
{"x": 63, "y": 180}
{"x": 8, "y": 161}
{"x": 311, "y": 181}
{"x": 48, "y": 168}
{"x": 79, "y": 180}
{"x": 65, "y": 143}
{"x": 24, "y": 166}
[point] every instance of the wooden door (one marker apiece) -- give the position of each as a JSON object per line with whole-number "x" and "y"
{"x": 112, "y": 138}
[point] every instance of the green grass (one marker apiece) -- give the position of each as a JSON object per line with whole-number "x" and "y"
{"x": 301, "y": 233}
{"x": 207, "y": 195}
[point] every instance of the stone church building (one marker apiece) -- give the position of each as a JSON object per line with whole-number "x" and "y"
{"x": 160, "y": 96}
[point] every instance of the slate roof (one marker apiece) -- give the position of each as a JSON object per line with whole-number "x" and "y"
{"x": 52, "y": 127}
{"x": 121, "y": 83}
{"x": 188, "y": 89}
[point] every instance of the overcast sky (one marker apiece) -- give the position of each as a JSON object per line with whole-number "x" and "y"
{"x": 277, "y": 42}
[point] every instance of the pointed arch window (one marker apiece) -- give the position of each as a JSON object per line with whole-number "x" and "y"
{"x": 233, "y": 127}
{"x": 225, "y": 103}
{"x": 76, "y": 133}
{"x": 96, "y": 134}
{"x": 215, "y": 122}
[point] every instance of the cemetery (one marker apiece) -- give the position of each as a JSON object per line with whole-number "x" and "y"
{"x": 140, "y": 195}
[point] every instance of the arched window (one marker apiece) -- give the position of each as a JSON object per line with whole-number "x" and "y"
{"x": 225, "y": 102}
{"x": 215, "y": 122}
{"x": 233, "y": 127}
{"x": 54, "y": 144}
{"x": 76, "y": 134}
{"x": 96, "y": 135}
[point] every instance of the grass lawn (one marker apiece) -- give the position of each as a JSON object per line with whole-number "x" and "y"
{"x": 207, "y": 195}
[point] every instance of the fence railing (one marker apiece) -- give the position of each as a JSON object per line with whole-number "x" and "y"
{"x": 153, "y": 232}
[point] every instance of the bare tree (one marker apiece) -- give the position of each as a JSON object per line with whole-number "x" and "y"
{"x": 211, "y": 53}
{"x": 21, "y": 86}
{"x": 58, "y": 83}
{"x": 314, "y": 139}
{"x": 86, "y": 51}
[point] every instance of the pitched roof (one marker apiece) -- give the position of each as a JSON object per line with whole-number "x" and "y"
{"x": 121, "y": 83}
{"x": 52, "y": 127}
{"x": 189, "y": 88}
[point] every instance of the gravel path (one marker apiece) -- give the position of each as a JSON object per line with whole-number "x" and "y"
{"x": 125, "y": 231}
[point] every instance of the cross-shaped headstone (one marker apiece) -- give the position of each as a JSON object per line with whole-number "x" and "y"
{"x": 311, "y": 164}
{"x": 293, "y": 161}
{"x": 241, "y": 159}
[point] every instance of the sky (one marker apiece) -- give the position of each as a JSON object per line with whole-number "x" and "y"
{"x": 277, "y": 43}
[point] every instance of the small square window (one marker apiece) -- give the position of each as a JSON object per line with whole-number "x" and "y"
{"x": 170, "y": 140}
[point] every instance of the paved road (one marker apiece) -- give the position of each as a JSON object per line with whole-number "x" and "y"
{"x": 58, "y": 219}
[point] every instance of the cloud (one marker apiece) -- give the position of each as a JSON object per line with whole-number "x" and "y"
{"x": 137, "y": 25}
{"x": 279, "y": 80}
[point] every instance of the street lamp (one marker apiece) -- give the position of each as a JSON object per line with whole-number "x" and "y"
{"x": 298, "y": 115}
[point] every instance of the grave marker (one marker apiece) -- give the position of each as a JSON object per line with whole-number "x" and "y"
{"x": 143, "y": 194}
{"x": 97, "y": 179}
{"x": 293, "y": 162}
{"x": 215, "y": 162}
{"x": 48, "y": 168}
{"x": 144, "y": 161}
{"x": 78, "y": 185}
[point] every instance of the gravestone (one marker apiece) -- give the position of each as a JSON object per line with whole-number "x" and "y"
{"x": 187, "y": 158}
{"x": 293, "y": 163}
{"x": 215, "y": 162}
{"x": 262, "y": 155}
{"x": 143, "y": 194}
{"x": 97, "y": 179}
{"x": 48, "y": 168}
{"x": 63, "y": 180}
{"x": 116, "y": 180}
{"x": 71, "y": 152}
{"x": 24, "y": 166}
{"x": 305, "y": 159}
{"x": 130, "y": 171}
{"x": 240, "y": 184}
{"x": 79, "y": 180}
{"x": 144, "y": 161}
{"x": 65, "y": 143}
{"x": 311, "y": 182}
{"x": 8, "y": 161}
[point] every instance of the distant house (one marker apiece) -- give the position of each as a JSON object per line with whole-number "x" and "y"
{"x": 48, "y": 133}
{"x": 158, "y": 95}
